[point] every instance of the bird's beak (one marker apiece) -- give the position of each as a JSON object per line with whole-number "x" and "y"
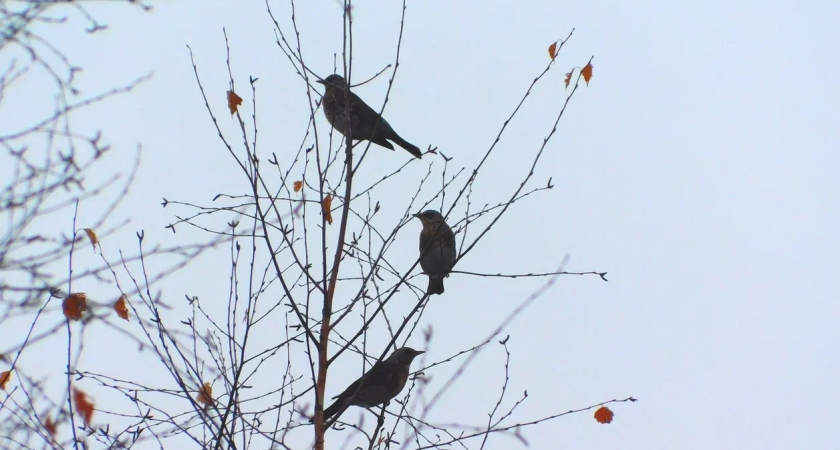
{"x": 321, "y": 82}
{"x": 419, "y": 352}
{"x": 416, "y": 215}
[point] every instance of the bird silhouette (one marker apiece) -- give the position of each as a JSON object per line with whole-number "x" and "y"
{"x": 437, "y": 249}
{"x": 378, "y": 385}
{"x": 346, "y": 112}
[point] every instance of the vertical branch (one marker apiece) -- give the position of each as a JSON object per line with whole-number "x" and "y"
{"x": 328, "y": 299}
{"x": 323, "y": 360}
{"x": 70, "y": 334}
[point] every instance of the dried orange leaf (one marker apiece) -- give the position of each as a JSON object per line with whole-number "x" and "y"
{"x": 49, "y": 425}
{"x": 587, "y": 73}
{"x": 552, "y": 50}
{"x": 205, "y": 395}
{"x": 91, "y": 235}
{"x": 4, "y": 379}
{"x": 83, "y": 405}
{"x": 74, "y": 304}
{"x": 569, "y": 77}
{"x": 326, "y": 205}
{"x": 121, "y": 309}
{"x": 604, "y": 415}
{"x": 298, "y": 186}
{"x": 233, "y": 101}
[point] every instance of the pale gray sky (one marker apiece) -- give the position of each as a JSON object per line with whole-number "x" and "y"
{"x": 697, "y": 169}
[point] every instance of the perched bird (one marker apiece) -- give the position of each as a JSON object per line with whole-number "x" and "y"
{"x": 437, "y": 249}
{"x": 366, "y": 124}
{"x": 380, "y": 384}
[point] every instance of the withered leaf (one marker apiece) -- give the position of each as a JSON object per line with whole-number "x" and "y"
{"x": 233, "y": 102}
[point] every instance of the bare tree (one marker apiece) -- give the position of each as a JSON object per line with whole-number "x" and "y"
{"x": 51, "y": 170}
{"x": 317, "y": 281}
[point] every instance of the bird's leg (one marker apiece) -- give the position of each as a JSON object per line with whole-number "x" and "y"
{"x": 380, "y": 419}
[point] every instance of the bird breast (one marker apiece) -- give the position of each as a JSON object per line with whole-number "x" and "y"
{"x": 335, "y": 111}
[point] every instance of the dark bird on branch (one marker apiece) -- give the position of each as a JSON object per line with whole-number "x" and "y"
{"x": 437, "y": 249}
{"x": 380, "y": 384}
{"x": 346, "y": 112}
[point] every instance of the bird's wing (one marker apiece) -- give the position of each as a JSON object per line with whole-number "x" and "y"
{"x": 372, "y": 373}
{"x": 361, "y": 109}
{"x": 350, "y": 389}
{"x": 449, "y": 238}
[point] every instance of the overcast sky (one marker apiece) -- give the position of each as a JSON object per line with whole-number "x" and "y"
{"x": 698, "y": 169}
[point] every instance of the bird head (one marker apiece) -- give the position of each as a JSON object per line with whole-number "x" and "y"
{"x": 404, "y": 355}
{"x": 333, "y": 80}
{"x": 429, "y": 216}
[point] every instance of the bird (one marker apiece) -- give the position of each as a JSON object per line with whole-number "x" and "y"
{"x": 437, "y": 249}
{"x": 366, "y": 124}
{"x": 378, "y": 385}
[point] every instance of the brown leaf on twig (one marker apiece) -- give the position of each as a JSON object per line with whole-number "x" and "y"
{"x": 233, "y": 102}
{"x": 74, "y": 305}
{"x": 4, "y": 379}
{"x": 83, "y": 405}
{"x": 326, "y": 205}
{"x": 604, "y": 415}
{"x": 587, "y": 73}
{"x": 121, "y": 309}
{"x": 205, "y": 395}
{"x": 92, "y": 236}
{"x": 552, "y": 50}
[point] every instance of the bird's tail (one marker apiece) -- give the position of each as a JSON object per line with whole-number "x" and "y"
{"x": 334, "y": 408}
{"x": 329, "y": 412}
{"x": 411, "y": 148}
{"x": 435, "y": 286}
